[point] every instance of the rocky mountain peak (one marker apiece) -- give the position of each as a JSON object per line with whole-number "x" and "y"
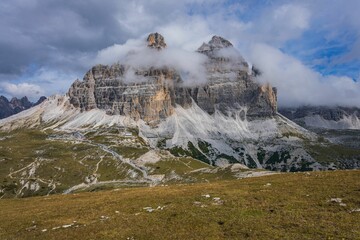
{"x": 21, "y": 103}
{"x": 215, "y": 43}
{"x": 228, "y": 86}
{"x": 156, "y": 40}
{"x": 220, "y": 42}
{"x": 16, "y": 105}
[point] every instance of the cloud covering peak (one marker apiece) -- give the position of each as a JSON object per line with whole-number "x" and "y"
{"x": 300, "y": 85}
{"x": 312, "y": 43}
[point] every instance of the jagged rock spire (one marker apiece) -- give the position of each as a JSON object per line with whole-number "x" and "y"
{"x": 156, "y": 40}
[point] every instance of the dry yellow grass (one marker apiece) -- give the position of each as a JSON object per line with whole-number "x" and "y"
{"x": 284, "y": 206}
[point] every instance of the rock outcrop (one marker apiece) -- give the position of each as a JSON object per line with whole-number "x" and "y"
{"x": 230, "y": 85}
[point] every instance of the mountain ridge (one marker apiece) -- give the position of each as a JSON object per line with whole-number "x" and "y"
{"x": 325, "y": 117}
{"x": 15, "y": 105}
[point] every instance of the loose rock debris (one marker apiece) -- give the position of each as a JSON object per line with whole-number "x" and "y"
{"x": 150, "y": 209}
{"x": 73, "y": 224}
{"x": 103, "y": 218}
{"x": 337, "y": 200}
{"x": 217, "y": 201}
{"x": 355, "y": 210}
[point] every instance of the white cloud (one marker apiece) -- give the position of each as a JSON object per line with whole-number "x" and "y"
{"x": 280, "y": 24}
{"x": 79, "y": 29}
{"x": 136, "y": 54}
{"x": 117, "y": 52}
{"x": 291, "y": 17}
{"x": 43, "y": 82}
{"x": 20, "y": 90}
{"x": 297, "y": 84}
{"x": 186, "y": 32}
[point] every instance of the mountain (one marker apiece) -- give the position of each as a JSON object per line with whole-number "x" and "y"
{"x": 324, "y": 117}
{"x": 229, "y": 87}
{"x": 339, "y": 125}
{"x": 15, "y": 105}
{"x": 150, "y": 122}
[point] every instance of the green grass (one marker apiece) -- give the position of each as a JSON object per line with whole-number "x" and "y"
{"x": 328, "y": 153}
{"x": 130, "y": 152}
{"x": 64, "y": 163}
{"x": 192, "y": 151}
{"x": 179, "y": 165}
{"x": 294, "y": 206}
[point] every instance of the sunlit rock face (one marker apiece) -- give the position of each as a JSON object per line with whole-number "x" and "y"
{"x": 156, "y": 40}
{"x": 151, "y": 94}
{"x": 230, "y": 86}
{"x": 105, "y": 87}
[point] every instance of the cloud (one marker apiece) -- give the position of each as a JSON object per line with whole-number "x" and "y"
{"x": 63, "y": 39}
{"x": 135, "y": 53}
{"x": 20, "y": 90}
{"x": 41, "y": 82}
{"x": 297, "y": 84}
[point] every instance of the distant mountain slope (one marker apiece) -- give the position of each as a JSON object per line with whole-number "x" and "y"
{"x": 15, "y": 105}
{"x": 324, "y": 117}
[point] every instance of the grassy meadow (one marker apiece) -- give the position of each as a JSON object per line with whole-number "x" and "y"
{"x": 309, "y": 205}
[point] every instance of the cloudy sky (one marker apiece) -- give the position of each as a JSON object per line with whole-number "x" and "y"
{"x": 308, "y": 49}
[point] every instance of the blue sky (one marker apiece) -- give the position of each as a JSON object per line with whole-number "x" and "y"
{"x": 46, "y": 44}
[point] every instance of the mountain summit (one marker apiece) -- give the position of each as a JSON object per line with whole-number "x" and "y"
{"x": 215, "y": 43}
{"x": 228, "y": 86}
{"x": 156, "y": 40}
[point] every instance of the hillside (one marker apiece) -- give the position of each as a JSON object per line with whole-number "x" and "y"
{"x": 317, "y": 205}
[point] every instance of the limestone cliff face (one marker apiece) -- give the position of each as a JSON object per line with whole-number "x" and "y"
{"x": 229, "y": 86}
{"x": 104, "y": 87}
